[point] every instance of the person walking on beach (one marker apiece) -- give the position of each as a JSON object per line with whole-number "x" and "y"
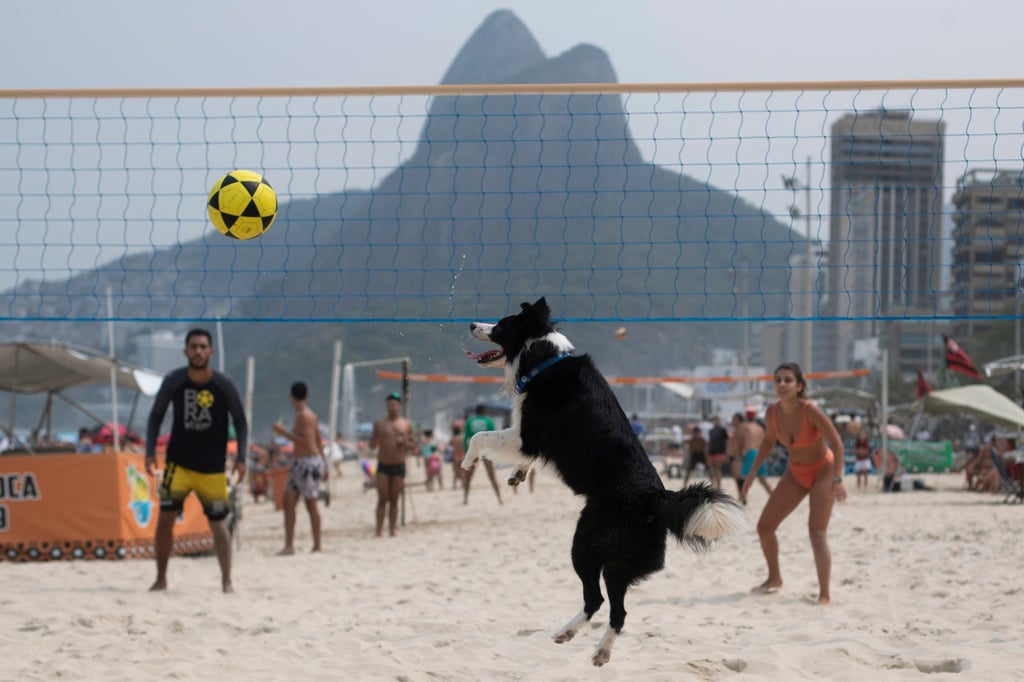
{"x": 862, "y": 463}
{"x": 814, "y": 470}
{"x": 431, "y": 460}
{"x": 698, "y": 453}
{"x": 393, "y": 440}
{"x": 749, "y": 435}
{"x": 309, "y": 465}
{"x": 718, "y": 439}
{"x": 203, "y": 402}
{"x": 458, "y": 452}
{"x": 474, "y": 425}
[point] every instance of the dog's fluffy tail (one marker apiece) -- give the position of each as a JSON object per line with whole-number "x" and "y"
{"x": 698, "y": 515}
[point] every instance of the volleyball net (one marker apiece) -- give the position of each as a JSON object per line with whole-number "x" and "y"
{"x": 786, "y": 201}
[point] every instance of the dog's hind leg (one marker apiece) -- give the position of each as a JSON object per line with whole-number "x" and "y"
{"x": 616, "y": 582}
{"x": 588, "y": 568}
{"x": 592, "y": 600}
{"x": 641, "y": 552}
{"x": 569, "y": 630}
{"x": 603, "y": 652}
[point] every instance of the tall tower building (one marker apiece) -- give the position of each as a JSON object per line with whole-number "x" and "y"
{"x": 885, "y": 225}
{"x": 988, "y": 249}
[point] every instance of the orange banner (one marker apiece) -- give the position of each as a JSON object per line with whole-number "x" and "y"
{"x": 87, "y": 506}
{"x": 497, "y": 379}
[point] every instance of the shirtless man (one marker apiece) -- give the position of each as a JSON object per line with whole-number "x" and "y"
{"x": 749, "y": 435}
{"x": 308, "y": 468}
{"x": 392, "y": 439}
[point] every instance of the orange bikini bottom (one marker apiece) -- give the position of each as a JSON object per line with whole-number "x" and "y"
{"x": 805, "y": 474}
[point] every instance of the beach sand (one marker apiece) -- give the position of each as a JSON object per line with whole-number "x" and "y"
{"x": 923, "y": 583}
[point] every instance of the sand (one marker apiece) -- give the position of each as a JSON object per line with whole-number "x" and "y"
{"x": 923, "y": 583}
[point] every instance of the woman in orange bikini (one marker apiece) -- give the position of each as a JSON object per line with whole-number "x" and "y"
{"x": 813, "y": 468}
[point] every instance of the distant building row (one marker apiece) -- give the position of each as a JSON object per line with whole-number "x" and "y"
{"x": 890, "y": 252}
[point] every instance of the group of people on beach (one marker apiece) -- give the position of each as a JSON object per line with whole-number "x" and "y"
{"x": 204, "y": 401}
{"x": 814, "y": 470}
{"x": 393, "y": 440}
{"x": 723, "y": 452}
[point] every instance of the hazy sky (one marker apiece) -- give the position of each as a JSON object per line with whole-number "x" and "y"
{"x": 198, "y": 43}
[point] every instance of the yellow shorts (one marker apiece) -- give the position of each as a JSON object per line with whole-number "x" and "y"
{"x": 211, "y": 489}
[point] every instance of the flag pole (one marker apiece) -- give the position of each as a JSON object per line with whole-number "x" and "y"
{"x": 885, "y": 413}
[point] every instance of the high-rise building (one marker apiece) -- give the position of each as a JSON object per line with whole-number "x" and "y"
{"x": 885, "y": 226}
{"x": 988, "y": 248}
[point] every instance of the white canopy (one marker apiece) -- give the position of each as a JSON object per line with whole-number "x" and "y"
{"x": 1001, "y": 366}
{"x": 978, "y": 400}
{"x": 30, "y": 367}
{"x": 684, "y": 391}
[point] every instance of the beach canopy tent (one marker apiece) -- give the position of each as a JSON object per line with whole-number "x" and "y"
{"x": 28, "y": 367}
{"x": 60, "y": 504}
{"x": 1014, "y": 363}
{"x": 838, "y": 397}
{"x": 51, "y": 368}
{"x": 978, "y": 400}
{"x": 684, "y": 391}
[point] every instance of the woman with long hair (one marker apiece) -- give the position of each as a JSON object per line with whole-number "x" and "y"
{"x": 814, "y": 471}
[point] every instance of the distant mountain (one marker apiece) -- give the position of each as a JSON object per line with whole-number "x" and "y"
{"x": 504, "y": 199}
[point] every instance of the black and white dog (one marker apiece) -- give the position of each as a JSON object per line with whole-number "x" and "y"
{"x": 565, "y": 413}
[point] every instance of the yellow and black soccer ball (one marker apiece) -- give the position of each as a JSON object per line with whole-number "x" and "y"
{"x": 242, "y": 205}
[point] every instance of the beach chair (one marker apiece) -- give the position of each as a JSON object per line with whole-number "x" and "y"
{"x": 1012, "y": 489}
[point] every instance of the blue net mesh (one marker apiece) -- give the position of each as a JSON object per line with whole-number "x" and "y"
{"x": 444, "y": 204}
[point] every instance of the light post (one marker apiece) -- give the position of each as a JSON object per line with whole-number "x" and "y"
{"x": 742, "y": 294}
{"x": 793, "y": 184}
{"x": 1017, "y": 391}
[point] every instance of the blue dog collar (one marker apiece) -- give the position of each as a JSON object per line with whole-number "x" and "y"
{"x": 532, "y": 374}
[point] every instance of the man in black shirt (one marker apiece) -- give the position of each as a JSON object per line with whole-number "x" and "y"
{"x": 718, "y": 437}
{"x": 197, "y": 450}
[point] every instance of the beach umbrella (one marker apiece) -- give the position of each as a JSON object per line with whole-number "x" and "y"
{"x": 895, "y": 432}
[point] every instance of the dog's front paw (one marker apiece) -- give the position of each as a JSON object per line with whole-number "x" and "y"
{"x": 469, "y": 460}
{"x": 517, "y": 477}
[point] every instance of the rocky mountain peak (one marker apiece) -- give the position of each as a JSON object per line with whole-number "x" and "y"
{"x": 501, "y": 47}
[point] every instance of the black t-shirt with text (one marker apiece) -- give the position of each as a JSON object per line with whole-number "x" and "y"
{"x": 199, "y": 421}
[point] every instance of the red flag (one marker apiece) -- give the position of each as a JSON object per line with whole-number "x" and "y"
{"x": 922, "y": 387}
{"x": 957, "y": 360}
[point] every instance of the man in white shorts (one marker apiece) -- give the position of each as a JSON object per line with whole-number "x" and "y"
{"x": 308, "y": 468}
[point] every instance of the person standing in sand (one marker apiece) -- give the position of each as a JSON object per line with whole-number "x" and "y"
{"x": 458, "y": 453}
{"x": 749, "y": 436}
{"x": 474, "y": 425}
{"x": 698, "y": 453}
{"x": 813, "y": 470}
{"x": 862, "y": 465}
{"x": 203, "y": 402}
{"x": 309, "y": 465}
{"x": 718, "y": 445}
{"x": 393, "y": 440}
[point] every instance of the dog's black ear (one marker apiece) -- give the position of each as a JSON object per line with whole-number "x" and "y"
{"x": 541, "y": 307}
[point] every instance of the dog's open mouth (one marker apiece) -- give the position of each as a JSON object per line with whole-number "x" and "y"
{"x": 485, "y": 356}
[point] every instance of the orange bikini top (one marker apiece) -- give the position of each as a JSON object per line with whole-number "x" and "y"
{"x": 809, "y": 435}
